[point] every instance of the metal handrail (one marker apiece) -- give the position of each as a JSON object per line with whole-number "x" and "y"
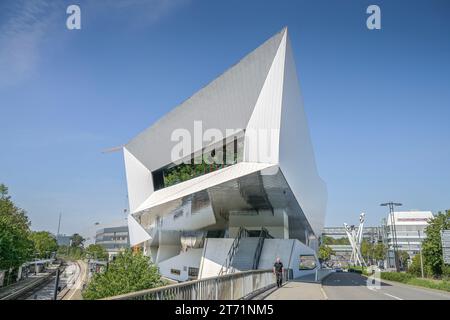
{"x": 262, "y": 236}
{"x": 231, "y": 253}
{"x": 230, "y": 287}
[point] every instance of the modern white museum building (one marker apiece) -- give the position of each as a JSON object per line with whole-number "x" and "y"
{"x": 227, "y": 180}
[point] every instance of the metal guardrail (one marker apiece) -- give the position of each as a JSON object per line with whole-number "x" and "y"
{"x": 226, "y": 287}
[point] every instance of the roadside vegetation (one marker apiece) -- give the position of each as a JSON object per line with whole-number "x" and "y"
{"x": 408, "y": 278}
{"x": 436, "y": 272}
{"x": 18, "y": 244}
{"x": 129, "y": 272}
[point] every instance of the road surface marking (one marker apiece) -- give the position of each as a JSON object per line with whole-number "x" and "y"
{"x": 323, "y": 292}
{"x": 390, "y": 295}
{"x": 386, "y": 294}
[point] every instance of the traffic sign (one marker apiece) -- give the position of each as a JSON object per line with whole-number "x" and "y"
{"x": 445, "y": 238}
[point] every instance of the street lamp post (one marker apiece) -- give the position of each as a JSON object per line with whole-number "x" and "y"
{"x": 391, "y": 206}
{"x": 420, "y": 251}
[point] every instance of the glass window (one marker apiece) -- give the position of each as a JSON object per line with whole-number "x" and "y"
{"x": 193, "y": 272}
{"x": 307, "y": 262}
{"x": 222, "y": 156}
{"x": 175, "y": 271}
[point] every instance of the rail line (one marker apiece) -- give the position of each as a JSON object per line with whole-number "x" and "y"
{"x": 32, "y": 287}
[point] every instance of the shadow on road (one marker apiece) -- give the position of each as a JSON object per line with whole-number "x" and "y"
{"x": 348, "y": 279}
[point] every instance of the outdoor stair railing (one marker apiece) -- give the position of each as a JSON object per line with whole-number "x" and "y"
{"x": 226, "y": 267}
{"x": 262, "y": 236}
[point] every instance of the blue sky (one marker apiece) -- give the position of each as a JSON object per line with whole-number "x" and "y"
{"x": 378, "y": 102}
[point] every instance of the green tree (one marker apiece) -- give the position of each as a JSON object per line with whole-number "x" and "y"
{"x": 367, "y": 249}
{"x": 127, "y": 273}
{"x": 77, "y": 240}
{"x": 325, "y": 252}
{"x": 332, "y": 241}
{"x": 96, "y": 251}
{"x": 403, "y": 257}
{"x": 44, "y": 244}
{"x": 379, "y": 251}
{"x": 432, "y": 245}
{"x": 15, "y": 244}
{"x": 415, "y": 267}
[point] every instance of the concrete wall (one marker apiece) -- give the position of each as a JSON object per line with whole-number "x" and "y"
{"x": 139, "y": 181}
{"x": 289, "y": 251}
{"x": 190, "y": 258}
{"x": 188, "y": 220}
{"x": 215, "y": 252}
{"x": 166, "y": 252}
{"x": 276, "y": 223}
{"x": 296, "y": 157}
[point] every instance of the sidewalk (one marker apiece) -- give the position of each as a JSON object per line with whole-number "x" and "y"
{"x": 298, "y": 290}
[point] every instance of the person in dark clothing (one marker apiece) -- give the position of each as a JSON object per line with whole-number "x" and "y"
{"x": 278, "y": 271}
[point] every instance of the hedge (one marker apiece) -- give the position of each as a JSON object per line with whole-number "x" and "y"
{"x": 410, "y": 279}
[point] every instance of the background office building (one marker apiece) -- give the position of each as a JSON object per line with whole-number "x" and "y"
{"x": 114, "y": 239}
{"x": 409, "y": 229}
{"x": 63, "y": 240}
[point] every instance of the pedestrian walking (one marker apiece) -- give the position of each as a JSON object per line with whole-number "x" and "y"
{"x": 278, "y": 270}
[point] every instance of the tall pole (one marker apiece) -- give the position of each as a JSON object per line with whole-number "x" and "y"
{"x": 55, "y": 290}
{"x": 393, "y": 231}
{"x": 396, "y": 257}
{"x": 420, "y": 250}
{"x": 59, "y": 225}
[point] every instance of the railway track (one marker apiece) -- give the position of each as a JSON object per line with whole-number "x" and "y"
{"x": 64, "y": 294}
{"x": 31, "y": 288}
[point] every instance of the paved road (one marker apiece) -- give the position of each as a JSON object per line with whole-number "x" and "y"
{"x": 351, "y": 286}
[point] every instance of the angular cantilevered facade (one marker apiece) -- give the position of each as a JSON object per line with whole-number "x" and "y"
{"x": 237, "y": 154}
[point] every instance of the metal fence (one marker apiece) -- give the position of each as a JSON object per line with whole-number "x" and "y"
{"x": 233, "y": 286}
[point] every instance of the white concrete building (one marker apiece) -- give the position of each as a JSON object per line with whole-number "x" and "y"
{"x": 410, "y": 230}
{"x": 113, "y": 239}
{"x": 188, "y": 213}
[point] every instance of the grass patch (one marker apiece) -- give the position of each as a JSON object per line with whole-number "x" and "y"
{"x": 410, "y": 279}
{"x": 359, "y": 270}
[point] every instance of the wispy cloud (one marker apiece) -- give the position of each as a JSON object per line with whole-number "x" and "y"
{"x": 140, "y": 13}
{"x": 25, "y": 24}
{"x": 23, "y": 27}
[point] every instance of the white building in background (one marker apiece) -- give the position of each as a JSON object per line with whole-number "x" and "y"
{"x": 410, "y": 230}
{"x": 113, "y": 239}
{"x": 267, "y": 198}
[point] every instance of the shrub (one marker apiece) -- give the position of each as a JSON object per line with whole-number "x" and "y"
{"x": 433, "y": 284}
{"x": 129, "y": 272}
{"x": 415, "y": 268}
{"x": 407, "y": 278}
{"x": 396, "y": 276}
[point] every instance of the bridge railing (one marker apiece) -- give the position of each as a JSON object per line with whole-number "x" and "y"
{"x": 233, "y": 286}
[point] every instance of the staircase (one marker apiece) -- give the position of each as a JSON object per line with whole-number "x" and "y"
{"x": 244, "y": 257}
{"x": 245, "y": 251}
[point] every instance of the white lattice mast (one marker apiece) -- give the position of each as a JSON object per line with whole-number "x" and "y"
{"x": 355, "y": 237}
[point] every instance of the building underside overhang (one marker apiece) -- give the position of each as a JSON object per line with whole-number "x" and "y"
{"x": 248, "y": 188}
